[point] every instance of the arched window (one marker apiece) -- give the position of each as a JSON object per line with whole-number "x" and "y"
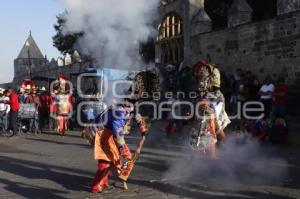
{"x": 170, "y": 39}
{"x": 171, "y": 27}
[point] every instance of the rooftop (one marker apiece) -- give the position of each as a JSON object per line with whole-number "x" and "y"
{"x": 30, "y": 50}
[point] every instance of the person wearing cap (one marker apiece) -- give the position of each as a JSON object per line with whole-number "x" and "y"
{"x": 13, "y": 101}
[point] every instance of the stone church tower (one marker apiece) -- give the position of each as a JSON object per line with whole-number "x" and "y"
{"x": 31, "y": 64}
{"x": 29, "y": 59}
{"x": 179, "y": 21}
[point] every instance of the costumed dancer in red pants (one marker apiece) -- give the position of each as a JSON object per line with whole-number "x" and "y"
{"x": 63, "y": 101}
{"x": 110, "y": 144}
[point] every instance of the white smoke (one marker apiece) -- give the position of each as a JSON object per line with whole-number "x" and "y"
{"x": 240, "y": 160}
{"x": 112, "y": 28}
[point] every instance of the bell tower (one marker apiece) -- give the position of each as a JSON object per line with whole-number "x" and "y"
{"x": 29, "y": 58}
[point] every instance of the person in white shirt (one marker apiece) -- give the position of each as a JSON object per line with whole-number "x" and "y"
{"x": 266, "y": 96}
{"x": 4, "y": 108}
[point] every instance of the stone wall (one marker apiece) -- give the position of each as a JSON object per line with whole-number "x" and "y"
{"x": 267, "y": 47}
{"x": 48, "y": 72}
{"x": 287, "y": 6}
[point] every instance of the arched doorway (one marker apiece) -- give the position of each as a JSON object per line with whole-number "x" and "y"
{"x": 170, "y": 39}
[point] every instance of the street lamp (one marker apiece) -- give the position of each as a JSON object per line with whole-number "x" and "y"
{"x": 29, "y": 59}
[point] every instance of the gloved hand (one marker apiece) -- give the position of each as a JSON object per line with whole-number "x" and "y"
{"x": 143, "y": 128}
{"x": 142, "y": 125}
{"x": 138, "y": 118}
{"x": 204, "y": 104}
{"x": 125, "y": 152}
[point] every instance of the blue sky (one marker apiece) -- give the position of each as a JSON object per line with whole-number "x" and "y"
{"x": 17, "y": 18}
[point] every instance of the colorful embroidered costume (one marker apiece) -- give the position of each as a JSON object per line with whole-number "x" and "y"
{"x": 211, "y": 116}
{"x": 109, "y": 145}
{"x": 62, "y": 103}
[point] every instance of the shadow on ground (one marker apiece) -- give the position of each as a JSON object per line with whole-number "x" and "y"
{"x": 70, "y": 179}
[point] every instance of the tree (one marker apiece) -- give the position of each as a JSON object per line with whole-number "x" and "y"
{"x": 65, "y": 43}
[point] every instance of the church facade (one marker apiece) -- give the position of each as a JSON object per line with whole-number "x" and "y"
{"x": 268, "y": 47}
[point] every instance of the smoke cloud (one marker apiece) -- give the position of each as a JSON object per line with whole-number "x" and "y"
{"x": 113, "y": 28}
{"x": 240, "y": 160}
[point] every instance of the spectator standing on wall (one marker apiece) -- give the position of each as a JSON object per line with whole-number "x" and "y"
{"x": 266, "y": 96}
{"x": 253, "y": 87}
{"x": 280, "y": 94}
{"x": 233, "y": 95}
{"x": 237, "y": 90}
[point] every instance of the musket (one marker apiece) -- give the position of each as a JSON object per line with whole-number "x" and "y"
{"x": 129, "y": 165}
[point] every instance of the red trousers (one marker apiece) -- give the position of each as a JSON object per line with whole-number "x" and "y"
{"x": 62, "y": 123}
{"x": 101, "y": 178}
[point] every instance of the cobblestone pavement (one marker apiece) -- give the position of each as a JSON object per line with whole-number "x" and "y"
{"x": 50, "y": 166}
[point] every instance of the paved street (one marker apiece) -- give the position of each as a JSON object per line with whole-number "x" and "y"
{"x": 50, "y": 166}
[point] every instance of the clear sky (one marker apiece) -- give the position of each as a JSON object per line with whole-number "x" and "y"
{"x": 17, "y": 18}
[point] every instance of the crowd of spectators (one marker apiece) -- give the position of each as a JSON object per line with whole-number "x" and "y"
{"x": 244, "y": 86}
